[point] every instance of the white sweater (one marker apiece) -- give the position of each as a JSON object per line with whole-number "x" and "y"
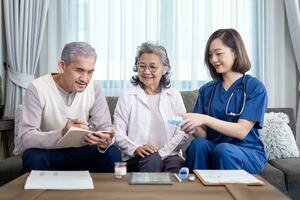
{"x": 55, "y": 111}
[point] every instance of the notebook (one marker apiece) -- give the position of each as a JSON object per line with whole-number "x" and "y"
{"x": 74, "y": 137}
{"x": 145, "y": 178}
{"x": 222, "y": 177}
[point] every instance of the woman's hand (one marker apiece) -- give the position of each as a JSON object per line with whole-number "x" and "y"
{"x": 145, "y": 150}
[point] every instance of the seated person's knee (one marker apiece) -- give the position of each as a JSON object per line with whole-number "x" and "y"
{"x": 151, "y": 163}
{"x": 35, "y": 159}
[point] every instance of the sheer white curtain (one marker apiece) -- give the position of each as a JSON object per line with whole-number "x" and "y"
{"x": 116, "y": 27}
{"x": 292, "y": 8}
{"x": 276, "y": 59}
{"x": 24, "y": 30}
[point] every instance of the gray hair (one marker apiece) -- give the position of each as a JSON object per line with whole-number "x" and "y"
{"x": 73, "y": 49}
{"x": 158, "y": 50}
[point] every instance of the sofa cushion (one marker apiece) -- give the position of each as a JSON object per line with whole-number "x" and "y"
{"x": 290, "y": 113}
{"x": 10, "y": 169}
{"x": 291, "y": 169}
{"x": 189, "y": 99}
{"x": 112, "y": 102}
{"x": 278, "y": 137}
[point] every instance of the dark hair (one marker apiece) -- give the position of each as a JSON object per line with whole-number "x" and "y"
{"x": 158, "y": 50}
{"x": 233, "y": 40}
{"x": 73, "y": 49}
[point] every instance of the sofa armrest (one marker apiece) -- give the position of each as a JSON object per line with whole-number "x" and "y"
{"x": 10, "y": 169}
{"x": 291, "y": 169}
{"x": 6, "y": 127}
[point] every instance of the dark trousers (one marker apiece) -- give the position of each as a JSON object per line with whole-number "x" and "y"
{"x": 154, "y": 163}
{"x": 81, "y": 158}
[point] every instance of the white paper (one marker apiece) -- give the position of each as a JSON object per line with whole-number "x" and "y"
{"x": 228, "y": 176}
{"x": 59, "y": 180}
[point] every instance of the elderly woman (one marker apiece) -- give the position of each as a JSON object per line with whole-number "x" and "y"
{"x": 148, "y": 142}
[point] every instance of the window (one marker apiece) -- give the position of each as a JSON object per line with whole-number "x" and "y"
{"x": 116, "y": 27}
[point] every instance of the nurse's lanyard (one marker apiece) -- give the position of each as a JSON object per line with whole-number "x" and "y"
{"x": 229, "y": 100}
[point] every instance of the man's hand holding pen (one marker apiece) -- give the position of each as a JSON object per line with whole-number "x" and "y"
{"x": 74, "y": 123}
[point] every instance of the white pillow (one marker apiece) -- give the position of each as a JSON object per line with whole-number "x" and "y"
{"x": 278, "y": 137}
{"x": 18, "y": 116}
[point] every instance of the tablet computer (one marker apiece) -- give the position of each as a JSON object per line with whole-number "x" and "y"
{"x": 147, "y": 178}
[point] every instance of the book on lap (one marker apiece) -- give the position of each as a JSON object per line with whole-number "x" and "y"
{"x": 73, "y": 138}
{"x": 222, "y": 177}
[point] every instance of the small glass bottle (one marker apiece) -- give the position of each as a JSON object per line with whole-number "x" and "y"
{"x": 120, "y": 169}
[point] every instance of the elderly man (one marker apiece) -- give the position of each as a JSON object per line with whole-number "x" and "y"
{"x": 55, "y": 102}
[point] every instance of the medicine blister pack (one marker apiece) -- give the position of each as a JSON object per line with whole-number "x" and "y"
{"x": 176, "y": 120}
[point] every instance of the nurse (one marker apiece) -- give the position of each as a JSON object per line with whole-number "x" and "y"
{"x": 229, "y": 110}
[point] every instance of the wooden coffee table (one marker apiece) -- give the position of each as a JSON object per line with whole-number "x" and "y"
{"x": 108, "y": 187}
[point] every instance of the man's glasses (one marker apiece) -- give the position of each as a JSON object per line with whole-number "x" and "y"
{"x": 143, "y": 67}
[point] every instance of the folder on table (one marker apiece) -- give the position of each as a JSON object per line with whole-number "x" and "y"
{"x": 59, "y": 180}
{"x": 222, "y": 177}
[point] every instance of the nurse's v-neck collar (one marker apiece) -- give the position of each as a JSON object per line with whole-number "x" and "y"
{"x": 233, "y": 85}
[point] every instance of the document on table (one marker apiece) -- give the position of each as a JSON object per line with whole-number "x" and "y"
{"x": 221, "y": 177}
{"x": 59, "y": 180}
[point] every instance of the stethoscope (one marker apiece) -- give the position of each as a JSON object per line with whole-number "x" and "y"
{"x": 229, "y": 100}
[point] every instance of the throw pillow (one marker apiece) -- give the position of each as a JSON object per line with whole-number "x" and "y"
{"x": 277, "y": 137}
{"x": 18, "y": 113}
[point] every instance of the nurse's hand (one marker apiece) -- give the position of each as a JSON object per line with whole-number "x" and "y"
{"x": 193, "y": 124}
{"x": 145, "y": 150}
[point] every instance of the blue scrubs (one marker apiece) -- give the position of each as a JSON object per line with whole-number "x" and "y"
{"x": 218, "y": 151}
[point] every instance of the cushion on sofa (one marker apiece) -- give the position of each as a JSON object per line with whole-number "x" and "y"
{"x": 290, "y": 113}
{"x": 112, "y": 102}
{"x": 189, "y": 99}
{"x": 291, "y": 169}
{"x": 278, "y": 137}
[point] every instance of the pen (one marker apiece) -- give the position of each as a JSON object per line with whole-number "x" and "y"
{"x": 177, "y": 177}
{"x": 89, "y": 125}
